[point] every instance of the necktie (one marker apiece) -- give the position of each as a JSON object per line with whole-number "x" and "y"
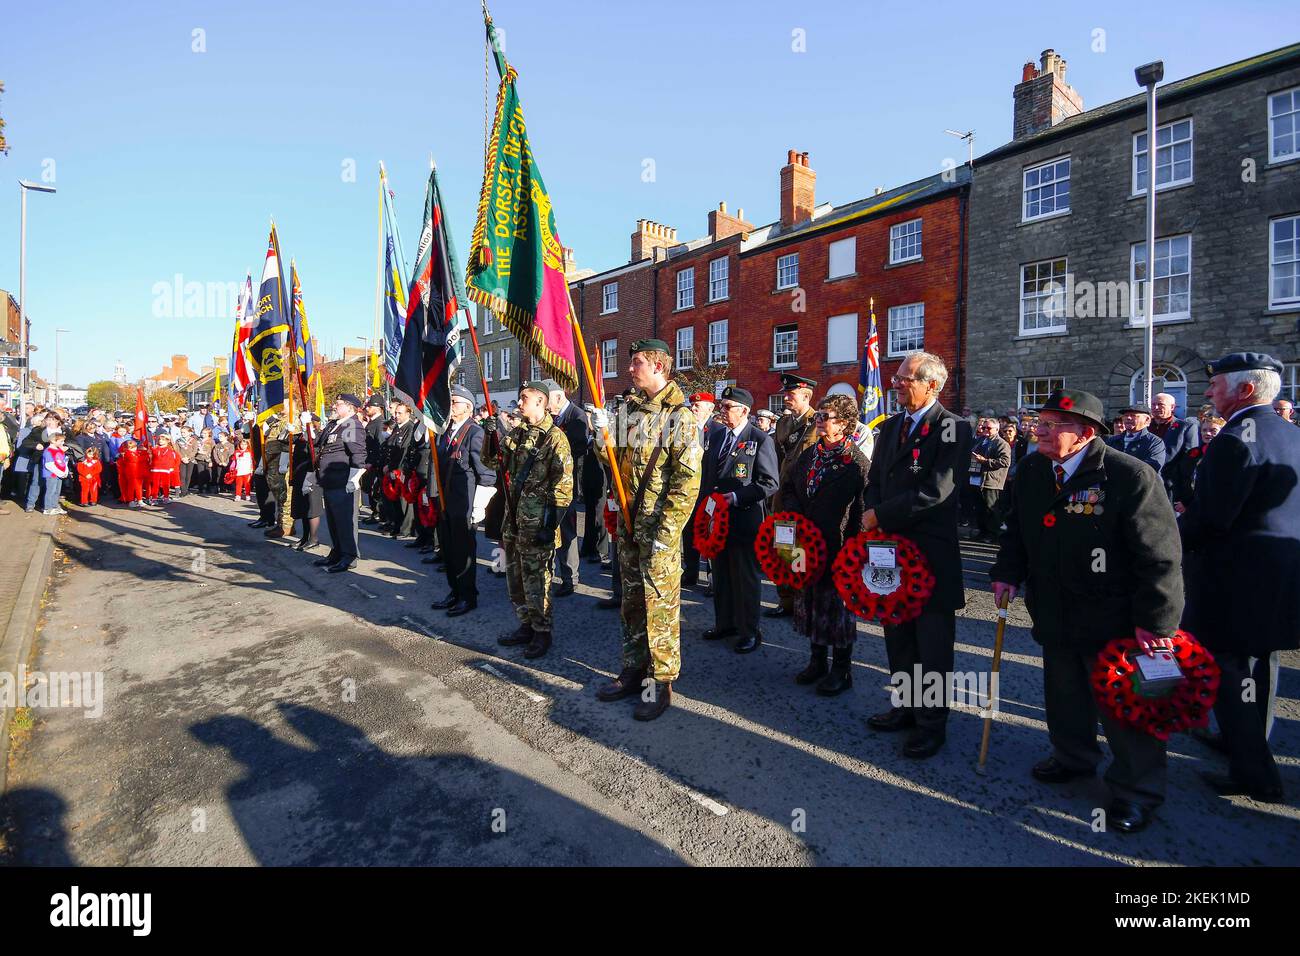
{"x": 1060, "y": 476}
{"x": 728, "y": 443}
{"x": 905, "y": 430}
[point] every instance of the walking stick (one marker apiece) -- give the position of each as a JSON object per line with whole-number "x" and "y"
{"x": 997, "y": 666}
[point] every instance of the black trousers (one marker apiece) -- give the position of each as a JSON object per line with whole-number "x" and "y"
{"x": 460, "y": 555}
{"x": 1137, "y": 772}
{"x": 265, "y": 502}
{"x": 187, "y": 476}
{"x": 736, "y": 588}
{"x": 566, "y": 555}
{"x": 593, "y": 526}
{"x": 690, "y": 557}
{"x": 989, "y": 519}
{"x": 1243, "y": 722}
{"x": 926, "y": 642}
{"x": 341, "y": 519}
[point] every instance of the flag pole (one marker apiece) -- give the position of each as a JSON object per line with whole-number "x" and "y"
{"x": 604, "y": 432}
{"x": 379, "y": 263}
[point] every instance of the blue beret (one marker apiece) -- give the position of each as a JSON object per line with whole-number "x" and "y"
{"x": 1243, "y": 362}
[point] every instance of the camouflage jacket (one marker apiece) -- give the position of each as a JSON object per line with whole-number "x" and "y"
{"x": 549, "y": 482}
{"x": 674, "y": 484}
{"x": 795, "y": 434}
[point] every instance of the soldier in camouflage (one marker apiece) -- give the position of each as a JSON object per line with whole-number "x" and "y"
{"x": 278, "y": 438}
{"x": 659, "y": 460}
{"x": 539, "y": 487}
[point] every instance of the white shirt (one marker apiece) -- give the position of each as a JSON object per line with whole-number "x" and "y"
{"x": 1071, "y": 464}
{"x": 914, "y": 417}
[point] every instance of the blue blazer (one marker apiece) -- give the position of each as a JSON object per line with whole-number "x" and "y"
{"x": 1144, "y": 446}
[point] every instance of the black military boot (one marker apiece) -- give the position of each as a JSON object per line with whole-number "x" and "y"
{"x": 661, "y": 697}
{"x": 627, "y": 683}
{"x": 840, "y": 678}
{"x": 541, "y": 643}
{"x": 523, "y": 634}
{"x": 816, "y": 668}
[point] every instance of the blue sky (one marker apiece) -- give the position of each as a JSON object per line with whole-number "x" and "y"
{"x": 169, "y": 161}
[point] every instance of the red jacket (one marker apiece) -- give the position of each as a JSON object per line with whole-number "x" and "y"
{"x": 89, "y": 470}
{"x": 165, "y": 459}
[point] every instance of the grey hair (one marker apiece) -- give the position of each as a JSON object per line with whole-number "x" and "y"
{"x": 1268, "y": 384}
{"x": 931, "y": 368}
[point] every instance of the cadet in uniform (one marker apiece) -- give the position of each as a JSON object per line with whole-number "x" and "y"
{"x": 795, "y": 434}
{"x": 1092, "y": 537}
{"x": 278, "y": 439}
{"x": 746, "y": 474}
{"x": 1241, "y": 535}
{"x": 340, "y": 463}
{"x": 535, "y": 459}
{"x": 660, "y": 468}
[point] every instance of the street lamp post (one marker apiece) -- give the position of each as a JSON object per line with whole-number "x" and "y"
{"x": 1149, "y": 75}
{"x": 57, "y": 388}
{"x": 23, "y": 186}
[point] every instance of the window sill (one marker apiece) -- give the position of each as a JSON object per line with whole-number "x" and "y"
{"x": 1161, "y": 190}
{"x": 1283, "y": 309}
{"x": 783, "y": 291}
{"x": 610, "y": 312}
{"x": 830, "y": 362}
{"x": 1031, "y": 336}
{"x": 725, "y": 298}
{"x": 904, "y": 262}
{"x": 1181, "y": 320}
{"x": 903, "y": 355}
{"x": 851, "y": 275}
{"x": 783, "y": 368}
{"x": 1048, "y": 218}
{"x": 683, "y": 308}
{"x": 1284, "y": 161}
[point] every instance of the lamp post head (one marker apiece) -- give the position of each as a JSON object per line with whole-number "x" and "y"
{"x": 1149, "y": 74}
{"x": 39, "y": 187}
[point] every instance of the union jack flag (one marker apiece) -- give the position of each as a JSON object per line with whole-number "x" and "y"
{"x": 871, "y": 397}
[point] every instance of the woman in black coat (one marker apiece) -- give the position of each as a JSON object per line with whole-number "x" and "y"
{"x": 825, "y": 486}
{"x": 305, "y": 509}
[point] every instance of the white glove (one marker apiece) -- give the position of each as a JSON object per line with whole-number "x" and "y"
{"x": 354, "y": 477}
{"x": 258, "y": 470}
{"x": 309, "y": 482}
{"x": 305, "y": 418}
{"x": 599, "y": 418}
{"x": 284, "y": 462}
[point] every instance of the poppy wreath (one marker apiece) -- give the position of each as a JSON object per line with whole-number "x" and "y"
{"x": 904, "y": 604}
{"x": 1115, "y": 684}
{"x": 780, "y": 568}
{"x": 711, "y": 536}
{"x": 426, "y": 510}
{"x": 391, "y": 485}
{"x": 611, "y": 519}
{"x": 410, "y": 488}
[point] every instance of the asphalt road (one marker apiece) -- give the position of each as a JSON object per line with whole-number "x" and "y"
{"x": 259, "y": 711}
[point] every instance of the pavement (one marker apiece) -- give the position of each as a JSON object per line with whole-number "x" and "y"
{"x": 259, "y": 711}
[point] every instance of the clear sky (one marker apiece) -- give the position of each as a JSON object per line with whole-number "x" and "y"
{"x": 169, "y": 161}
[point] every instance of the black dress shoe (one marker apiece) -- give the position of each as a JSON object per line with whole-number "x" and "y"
{"x": 371, "y": 520}
{"x": 413, "y": 544}
{"x": 341, "y": 567}
{"x": 626, "y": 684}
{"x": 564, "y": 590}
{"x": 426, "y": 549}
{"x": 325, "y": 561}
{"x": 717, "y": 634}
{"x": 259, "y": 523}
{"x": 594, "y": 559}
{"x": 778, "y": 611}
{"x": 523, "y": 634}
{"x": 462, "y": 607}
{"x": 445, "y": 603}
{"x": 747, "y": 645}
{"x": 1226, "y": 786}
{"x": 428, "y": 560}
{"x": 892, "y": 720}
{"x": 1052, "y": 770}
{"x": 608, "y": 603}
{"x": 923, "y": 744}
{"x": 1127, "y": 816}
{"x": 657, "y": 704}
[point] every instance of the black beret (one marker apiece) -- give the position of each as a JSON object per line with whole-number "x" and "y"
{"x": 648, "y": 345}
{"x": 354, "y": 401}
{"x": 1080, "y": 404}
{"x": 1243, "y": 362}
{"x": 790, "y": 382}
{"x": 740, "y": 396}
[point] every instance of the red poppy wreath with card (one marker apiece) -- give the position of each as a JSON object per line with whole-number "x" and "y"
{"x": 883, "y": 577}
{"x": 795, "y": 564}
{"x": 712, "y": 525}
{"x": 1161, "y": 705}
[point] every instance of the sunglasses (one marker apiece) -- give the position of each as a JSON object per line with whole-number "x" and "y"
{"x": 824, "y": 417}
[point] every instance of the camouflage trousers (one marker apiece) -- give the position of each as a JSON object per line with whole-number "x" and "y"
{"x": 652, "y": 608}
{"x": 278, "y": 485}
{"x": 528, "y": 580}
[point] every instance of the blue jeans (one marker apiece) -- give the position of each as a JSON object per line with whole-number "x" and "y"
{"x": 53, "y": 487}
{"x": 35, "y": 482}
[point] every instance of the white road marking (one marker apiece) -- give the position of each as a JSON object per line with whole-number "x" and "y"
{"x": 535, "y": 698}
{"x": 716, "y": 808}
{"x": 421, "y": 627}
{"x": 363, "y": 591}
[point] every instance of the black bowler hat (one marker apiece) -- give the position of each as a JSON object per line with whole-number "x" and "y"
{"x": 1137, "y": 409}
{"x": 374, "y": 401}
{"x": 740, "y": 396}
{"x": 1079, "y": 404}
{"x": 790, "y": 382}
{"x": 648, "y": 345}
{"x": 1243, "y": 362}
{"x": 352, "y": 400}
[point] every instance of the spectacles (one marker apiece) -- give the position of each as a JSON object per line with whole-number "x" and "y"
{"x": 823, "y": 417}
{"x": 1043, "y": 426}
{"x": 728, "y": 406}
{"x": 902, "y": 379}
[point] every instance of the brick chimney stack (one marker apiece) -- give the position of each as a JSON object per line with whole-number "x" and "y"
{"x": 1042, "y": 97}
{"x": 650, "y": 239}
{"x": 570, "y": 260}
{"x": 798, "y": 190}
{"x": 722, "y": 224}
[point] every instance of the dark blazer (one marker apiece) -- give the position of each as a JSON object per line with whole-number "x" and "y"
{"x": 750, "y": 471}
{"x": 396, "y": 446}
{"x": 462, "y": 470}
{"x": 340, "y": 447}
{"x": 836, "y": 507}
{"x": 1241, "y": 535}
{"x": 1090, "y": 578}
{"x": 374, "y": 441}
{"x": 1144, "y": 446}
{"x": 1183, "y": 433}
{"x": 714, "y": 431}
{"x": 1180, "y": 474}
{"x": 573, "y": 422}
{"x": 592, "y": 475}
{"x": 922, "y": 505}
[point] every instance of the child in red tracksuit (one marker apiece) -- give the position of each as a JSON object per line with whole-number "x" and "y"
{"x": 164, "y": 465}
{"x": 130, "y": 473}
{"x": 242, "y": 464}
{"x": 88, "y": 471}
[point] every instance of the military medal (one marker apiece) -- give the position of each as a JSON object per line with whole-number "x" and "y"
{"x": 916, "y": 461}
{"x": 742, "y": 470}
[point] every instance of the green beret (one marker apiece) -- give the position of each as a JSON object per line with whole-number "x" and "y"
{"x": 648, "y": 345}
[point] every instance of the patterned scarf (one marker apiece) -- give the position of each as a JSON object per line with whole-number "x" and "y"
{"x": 824, "y": 456}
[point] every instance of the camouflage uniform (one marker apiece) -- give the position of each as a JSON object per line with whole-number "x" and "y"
{"x": 651, "y": 558}
{"x": 277, "y": 440}
{"x": 794, "y": 435}
{"x": 548, "y": 485}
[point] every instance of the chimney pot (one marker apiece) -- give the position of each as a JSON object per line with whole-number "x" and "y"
{"x": 1028, "y": 72}
{"x": 790, "y": 157}
{"x": 804, "y": 158}
{"x": 722, "y": 206}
